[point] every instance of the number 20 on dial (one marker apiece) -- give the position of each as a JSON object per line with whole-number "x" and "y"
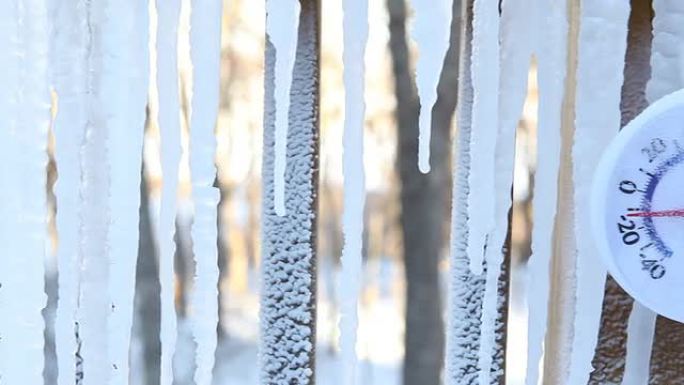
{"x": 638, "y": 207}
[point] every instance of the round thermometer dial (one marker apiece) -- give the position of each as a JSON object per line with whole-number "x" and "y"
{"x": 638, "y": 207}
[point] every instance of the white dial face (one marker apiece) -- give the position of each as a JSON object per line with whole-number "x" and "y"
{"x": 638, "y": 207}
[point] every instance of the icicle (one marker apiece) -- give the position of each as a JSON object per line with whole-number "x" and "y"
{"x": 481, "y": 179}
{"x": 205, "y": 52}
{"x": 168, "y": 12}
{"x": 124, "y": 81}
{"x": 93, "y": 303}
{"x": 667, "y": 54}
{"x": 288, "y": 263}
{"x": 69, "y": 71}
{"x": 25, "y": 108}
{"x": 355, "y": 22}
{"x": 640, "y": 329}
{"x": 551, "y": 45}
{"x": 431, "y": 33}
{"x": 282, "y": 21}
{"x": 516, "y": 53}
{"x": 602, "y": 46}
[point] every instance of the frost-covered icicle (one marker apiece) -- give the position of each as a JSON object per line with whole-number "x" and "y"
{"x": 205, "y": 52}
{"x": 282, "y": 21}
{"x": 124, "y": 81}
{"x": 288, "y": 293}
{"x": 667, "y": 49}
{"x": 168, "y": 14}
{"x": 431, "y": 33}
{"x": 93, "y": 304}
{"x": 515, "y": 56}
{"x": 481, "y": 179}
{"x": 601, "y": 53}
{"x": 25, "y": 111}
{"x": 640, "y": 329}
{"x": 550, "y": 48}
{"x": 465, "y": 289}
{"x": 355, "y": 23}
{"x": 68, "y": 77}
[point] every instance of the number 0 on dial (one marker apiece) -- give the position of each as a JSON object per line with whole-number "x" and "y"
{"x": 638, "y": 207}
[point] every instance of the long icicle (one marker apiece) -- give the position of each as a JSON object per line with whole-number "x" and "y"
{"x": 93, "y": 303}
{"x": 26, "y": 113}
{"x": 355, "y": 25}
{"x": 551, "y": 44}
{"x": 431, "y": 33}
{"x": 515, "y": 56}
{"x": 481, "y": 179}
{"x": 603, "y": 34}
{"x": 69, "y": 72}
{"x": 282, "y": 22}
{"x": 168, "y": 13}
{"x": 205, "y": 52}
{"x": 125, "y": 82}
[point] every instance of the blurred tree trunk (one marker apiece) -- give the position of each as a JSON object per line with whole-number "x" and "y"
{"x": 147, "y": 306}
{"x": 424, "y": 199}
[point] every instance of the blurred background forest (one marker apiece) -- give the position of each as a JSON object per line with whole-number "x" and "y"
{"x": 406, "y": 218}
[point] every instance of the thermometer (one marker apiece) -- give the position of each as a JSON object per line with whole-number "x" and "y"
{"x": 638, "y": 207}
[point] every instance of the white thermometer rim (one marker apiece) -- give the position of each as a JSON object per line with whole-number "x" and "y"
{"x": 601, "y": 190}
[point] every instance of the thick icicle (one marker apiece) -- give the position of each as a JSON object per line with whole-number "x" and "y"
{"x": 25, "y": 111}
{"x": 481, "y": 179}
{"x": 282, "y": 20}
{"x": 667, "y": 52}
{"x": 205, "y": 52}
{"x": 431, "y": 33}
{"x": 93, "y": 306}
{"x": 288, "y": 330}
{"x": 124, "y": 81}
{"x": 169, "y": 122}
{"x": 602, "y": 46}
{"x": 551, "y": 46}
{"x": 68, "y": 79}
{"x": 515, "y": 56}
{"x": 355, "y": 23}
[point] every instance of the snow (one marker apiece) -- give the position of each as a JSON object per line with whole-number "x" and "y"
{"x": 69, "y": 69}
{"x": 205, "y": 51}
{"x": 288, "y": 286}
{"x": 481, "y": 178}
{"x": 355, "y": 24}
{"x": 169, "y": 123}
{"x": 282, "y": 20}
{"x": 550, "y": 50}
{"x": 602, "y": 46}
{"x": 430, "y": 31}
{"x": 23, "y": 137}
{"x": 515, "y": 55}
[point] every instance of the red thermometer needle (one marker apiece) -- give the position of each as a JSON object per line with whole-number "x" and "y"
{"x": 665, "y": 213}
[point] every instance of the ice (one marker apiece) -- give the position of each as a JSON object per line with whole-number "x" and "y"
{"x": 205, "y": 51}
{"x": 282, "y": 21}
{"x": 600, "y": 65}
{"x": 355, "y": 23}
{"x": 430, "y": 31}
